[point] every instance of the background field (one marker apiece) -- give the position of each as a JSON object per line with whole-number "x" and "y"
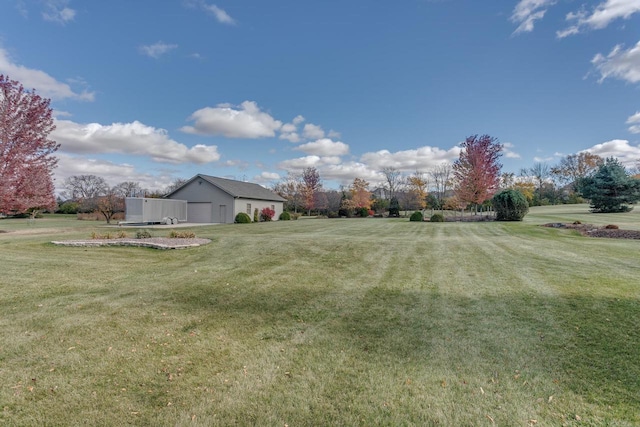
{"x": 324, "y": 322}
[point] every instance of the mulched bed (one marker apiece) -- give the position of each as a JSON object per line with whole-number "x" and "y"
{"x": 152, "y": 242}
{"x": 595, "y": 231}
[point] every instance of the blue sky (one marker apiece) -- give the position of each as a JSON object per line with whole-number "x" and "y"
{"x": 151, "y": 91}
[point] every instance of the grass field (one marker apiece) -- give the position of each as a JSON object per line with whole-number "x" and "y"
{"x": 324, "y": 322}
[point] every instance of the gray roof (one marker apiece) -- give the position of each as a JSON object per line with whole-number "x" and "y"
{"x": 245, "y": 190}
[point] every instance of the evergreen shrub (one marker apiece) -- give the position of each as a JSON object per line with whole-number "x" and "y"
{"x": 242, "y": 218}
{"x": 510, "y": 205}
{"x": 416, "y": 216}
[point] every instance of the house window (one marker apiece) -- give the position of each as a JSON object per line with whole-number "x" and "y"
{"x": 249, "y": 209}
{"x": 273, "y": 207}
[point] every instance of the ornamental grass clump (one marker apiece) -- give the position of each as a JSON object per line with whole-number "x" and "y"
{"x": 182, "y": 234}
{"x": 143, "y": 234}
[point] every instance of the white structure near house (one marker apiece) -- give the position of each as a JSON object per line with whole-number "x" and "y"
{"x": 218, "y": 200}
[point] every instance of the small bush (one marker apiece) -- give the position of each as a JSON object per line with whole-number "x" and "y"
{"x": 577, "y": 222}
{"x": 362, "y": 212}
{"x": 295, "y": 216}
{"x": 333, "y": 214}
{"x": 122, "y": 234}
{"x": 267, "y": 214}
{"x": 437, "y": 218}
{"x": 416, "y": 216}
{"x": 255, "y": 215}
{"x": 510, "y": 205}
{"x": 143, "y": 234}
{"x": 611, "y": 227}
{"x": 242, "y": 218}
{"x": 173, "y": 234}
{"x": 285, "y": 216}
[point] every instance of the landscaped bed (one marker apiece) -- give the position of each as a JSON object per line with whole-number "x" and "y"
{"x": 151, "y": 242}
{"x": 589, "y": 230}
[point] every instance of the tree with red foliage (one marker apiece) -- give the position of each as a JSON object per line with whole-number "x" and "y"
{"x": 267, "y": 214}
{"x": 477, "y": 170}
{"x": 26, "y": 152}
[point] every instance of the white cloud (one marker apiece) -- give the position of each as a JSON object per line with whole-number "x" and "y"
{"x": 324, "y": 147}
{"x": 626, "y": 153}
{"x": 58, "y": 12}
{"x": 244, "y": 121}
{"x": 266, "y": 177}
{"x": 601, "y": 16}
{"x": 129, "y": 138}
{"x": 508, "y": 152}
{"x": 289, "y": 131}
{"x": 158, "y": 49}
{"x": 422, "y": 159}
{"x": 527, "y": 12}
{"x": 634, "y": 121}
{"x": 113, "y": 173}
{"x": 620, "y": 63}
{"x": 220, "y": 15}
{"x": 311, "y": 131}
{"x": 46, "y": 85}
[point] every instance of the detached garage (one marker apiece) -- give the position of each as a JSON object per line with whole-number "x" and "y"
{"x": 218, "y": 200}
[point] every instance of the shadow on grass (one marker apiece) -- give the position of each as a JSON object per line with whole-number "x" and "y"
{"x": 588, "y": 345}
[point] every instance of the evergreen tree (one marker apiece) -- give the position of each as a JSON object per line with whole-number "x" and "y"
{"x": 610, "y": 188}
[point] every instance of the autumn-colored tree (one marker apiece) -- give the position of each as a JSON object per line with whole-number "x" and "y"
{"x": 110, "y": 203}
{"x": 360, "y": 194}
{"x": 527, "y": 189}
{"x": 26, "y": 152}
{"x": 417, "y": 185}
{"x": 310, "y": 185}
{"x": 539, "y": 172}
{"x": 477, "y": 170}
{"x": 576, "y": 166}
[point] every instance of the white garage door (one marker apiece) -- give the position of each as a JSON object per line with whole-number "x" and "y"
{"x": 199, "y": 212}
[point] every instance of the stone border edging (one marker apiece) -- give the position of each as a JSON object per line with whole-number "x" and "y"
{"x": 155, "y": 243}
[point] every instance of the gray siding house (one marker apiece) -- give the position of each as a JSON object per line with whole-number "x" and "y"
{"x": 218, "y": 200}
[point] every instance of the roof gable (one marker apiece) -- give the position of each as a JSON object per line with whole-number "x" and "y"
{"x": 245, "y": 190}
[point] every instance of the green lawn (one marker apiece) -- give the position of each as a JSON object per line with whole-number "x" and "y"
{"x": 324, "y": 322}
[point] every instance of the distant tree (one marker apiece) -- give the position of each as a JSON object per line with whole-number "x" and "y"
{"x": 393, "y": 178}
{"x": 26, "y": 152}
{"x": 477, "y": 170}
{"x": 110, "y": 203}
{"x": 129, "y": 189}
{"x": 610, "y": 189}
{"x": 311, "y": 184}
{"x": 507, "y": 180}
{"x": 575, "y": 166}
{"x": 394, "y": 208}
{"x": 290, "y": 188}
{"x": 539, "y": 172}
{"x": 360, "y": 194}
{"x": 417, "y": 185}
{"x": 510, "y": 205}
{"x": 85, "y": 189}
{"x": 175, "y": 184}
{"x": 442, "y": 176}
{"x": 527, "y": 189}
